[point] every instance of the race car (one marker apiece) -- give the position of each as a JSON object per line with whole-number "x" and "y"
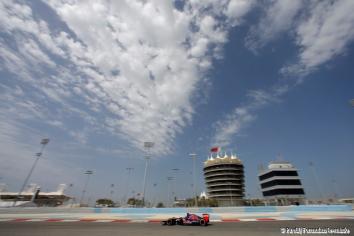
{"x": 190, "y": 219}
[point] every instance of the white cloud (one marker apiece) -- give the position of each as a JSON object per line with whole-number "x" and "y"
{"x": 324, "y": 34}
{"x": 236, "y": 9}
{"x": 279, "y": 17}
{"x": 232, "y": 124}
{"x": 137, "y": 62}
{"x": 323, "y": 30}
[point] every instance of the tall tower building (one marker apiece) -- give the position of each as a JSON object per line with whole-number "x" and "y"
{"x": 224, "y": 179}
{"x": 281, "y": 184}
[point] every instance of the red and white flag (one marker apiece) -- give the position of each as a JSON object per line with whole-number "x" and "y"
{"x": 215, "y": 149}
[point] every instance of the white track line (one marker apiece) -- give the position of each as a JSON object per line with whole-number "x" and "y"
{"x": 4, "y": 220}
{"x": 36, "y": 220}
{"x": 104, "y": 221}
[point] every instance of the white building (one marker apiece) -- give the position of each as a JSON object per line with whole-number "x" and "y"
{"x": 281, "y": 183}
{"x": 32, "y": 196}
{"x": 224, "y": 179}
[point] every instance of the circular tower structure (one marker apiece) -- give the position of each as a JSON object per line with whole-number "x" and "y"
{"x": 224, "y": 179}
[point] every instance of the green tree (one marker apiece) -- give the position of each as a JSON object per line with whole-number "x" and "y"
{"x": 105, "y": 202}
{"x": 202, "y": 202}
{"x": 135, "y": 202}
{"x": 160, "y": 205}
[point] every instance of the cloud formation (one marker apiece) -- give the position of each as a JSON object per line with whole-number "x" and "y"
{"x": 232, "y": 124}
{"x": 322, "y": 30}
{"x": 323, "y": 34}
{"x": 126, "y": 67}
{"x": 278, "y": 17}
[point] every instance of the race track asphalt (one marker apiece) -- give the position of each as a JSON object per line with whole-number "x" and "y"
{"x": 135, "y": 229}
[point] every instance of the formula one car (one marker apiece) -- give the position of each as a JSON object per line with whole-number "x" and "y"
{"x": 190, "y": 219}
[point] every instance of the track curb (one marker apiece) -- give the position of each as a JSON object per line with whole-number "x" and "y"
{"x": 225, "y": 220}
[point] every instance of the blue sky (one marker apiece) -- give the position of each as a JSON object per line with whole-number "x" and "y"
{"x": 260, "y": 79}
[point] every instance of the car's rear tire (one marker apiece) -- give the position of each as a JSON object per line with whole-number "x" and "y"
{"x": 169, "y": 222}
{"x": 202, "y": 222}
{"x": 179, "y": 221}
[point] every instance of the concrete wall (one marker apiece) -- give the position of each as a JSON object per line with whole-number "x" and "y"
{"x": 256, "y": 209}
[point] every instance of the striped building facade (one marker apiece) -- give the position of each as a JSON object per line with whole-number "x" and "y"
{"x": 280, "y": 183}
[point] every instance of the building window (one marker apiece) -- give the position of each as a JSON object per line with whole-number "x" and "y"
{"x": 281, "y": 182}
{"x": 296, "y": 191}
{"x": 278, "y": 173}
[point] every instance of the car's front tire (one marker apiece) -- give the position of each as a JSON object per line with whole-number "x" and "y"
{"x": 202, "y": 222}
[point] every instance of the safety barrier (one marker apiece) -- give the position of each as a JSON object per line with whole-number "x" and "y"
{"x": 321, "y": 208}
{"x": 153, "y": 211}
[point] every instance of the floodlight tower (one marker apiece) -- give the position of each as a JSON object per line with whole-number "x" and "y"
{"x": 44, "y": 142}
{"x": 147, "y": 146}
{"x": 88, "y": 173}
{"x": 169, "y": 178}
{"x": 175, "y": 170}
{"x": 127, "y": 191}
{"x": 194, "y": 156}
{"x": 317, "y": 182}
